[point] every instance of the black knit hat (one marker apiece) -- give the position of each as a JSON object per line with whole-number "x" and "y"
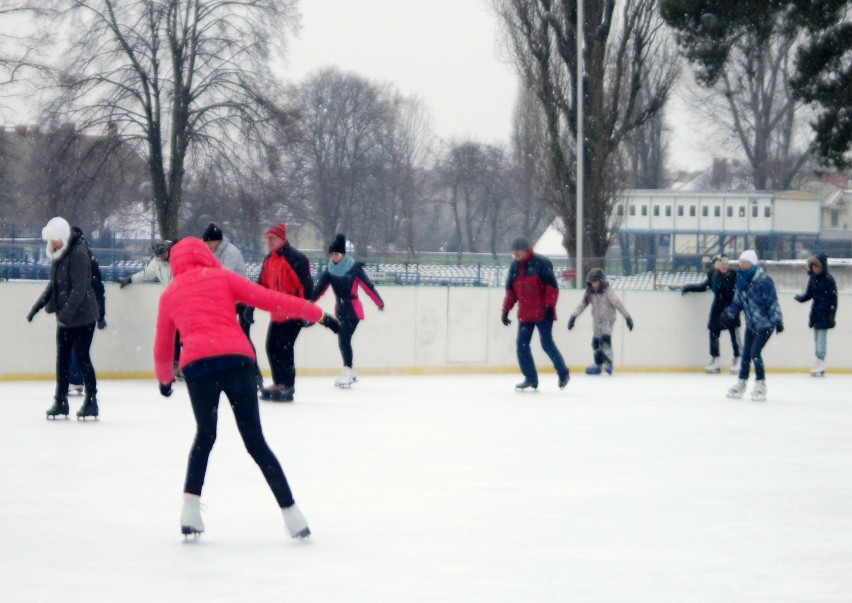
{"x": 212, "y": 233}
{"x": 338, "y": 245}
{"x": 520, "y": 243}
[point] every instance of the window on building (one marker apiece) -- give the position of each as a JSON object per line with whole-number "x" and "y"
{"x": 717, "y": 211}
{"x": 692, "y": 211}
{"x": 705, "y": 210}
{"x": 680, "y": 211}
{"x": 729, "y": 211}
{"x": 656, "y": 210}
{"x": 767, "y": 212}
{"x": 619, "y": 210}
{"x": 632, "y": 210}
{"x": 668, "y": 211}
{"x": 742, "y": 211}
{"x": 754, "y": 211}
{"x": 835, "y": 218}
{"x": 644, "y": 211}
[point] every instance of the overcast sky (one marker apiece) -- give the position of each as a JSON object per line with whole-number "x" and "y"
{"x": 447, "y": 53}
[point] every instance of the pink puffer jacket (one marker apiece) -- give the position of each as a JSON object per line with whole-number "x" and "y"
{"x": 200, "y": 302}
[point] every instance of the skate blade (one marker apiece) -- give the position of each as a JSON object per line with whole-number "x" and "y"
{"x": 817, "y": 374}
{"x": 54, "y": 417}
{"x": 343, "y": 385}
{"x": 527, "y": 390}
{"x": 303, "y": 535}
{"x": 84, "y": 418}
{"x": 713, "y": 372}
{"x": 190, "y": 534}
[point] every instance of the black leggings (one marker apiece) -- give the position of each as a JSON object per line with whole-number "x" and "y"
{"x": 80, "y": 339}
{"x": 280, "y": 341}
{"x": 344, "y": 339}
{"x": 238, "y": 384}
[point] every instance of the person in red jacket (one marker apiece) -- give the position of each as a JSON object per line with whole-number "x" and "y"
{"x": 284, "y": 269}
{"x": 532, "y": 285}
{"x": 217, "y": 357}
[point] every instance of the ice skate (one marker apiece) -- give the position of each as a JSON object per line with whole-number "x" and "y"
{"x": 714, "y": 366}
{"x": 758, "y": 392}
{"x": 526, "y": 385}
{"x": 563, "y": 380}
{"x": 295, "y": 522}
{"x": 608, "y": 368}
{"x": 819, "y": 369}
{"x": 735, "y": 366}
{"x": 191, "y": 523}
{"x": 738, "y": 389}
{"x": 277, "y": 393}
{"x": 60, "y": 407}
{"x": 346, "y": 379}
{"x": 75, "y": 389}
{"x": 89, "y": 409}
{"x": 594, "y": 369}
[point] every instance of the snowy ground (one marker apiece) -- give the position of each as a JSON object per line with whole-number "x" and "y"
{"x": 634, "y": 488}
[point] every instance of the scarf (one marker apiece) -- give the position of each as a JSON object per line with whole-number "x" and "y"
{"x": 744, "y": 277}
{"x": 341, "y": 268}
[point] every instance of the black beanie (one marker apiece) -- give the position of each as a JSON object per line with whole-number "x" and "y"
{"x": 338, "y": 245}
{"x": 520, "y": 243}
{"x": 212, "y": 233}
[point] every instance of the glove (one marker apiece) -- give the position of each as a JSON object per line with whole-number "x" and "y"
{"x": 549, "y": 314}
{"x": 629, "y": 323}
{"x": 504, "y": 318}
{"x": 248, "y": 315}
{"x": 779, "y": 328}
{"x": 799, "y": 298}
{"x": 124, "y": 282}
{"x": 31, "y": 315}
{"x": 101, "y": 324}
{"x": 330, "y": 323}
{"x": 166, "y": 389}
{"x": 571, "y": 322}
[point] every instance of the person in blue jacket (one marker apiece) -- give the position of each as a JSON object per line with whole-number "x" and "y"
{"x": 823, "y": 291}
{"x": 756, "y": 298}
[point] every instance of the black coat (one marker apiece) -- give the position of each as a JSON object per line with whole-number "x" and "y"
{"x": 823, "y": 291}
{"x": 723, "y": 287}
{"x": 348, "y": 307}
{"x": 70, "y": 293}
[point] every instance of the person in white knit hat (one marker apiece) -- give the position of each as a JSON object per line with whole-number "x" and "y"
{"x": 756, "y": 298}
{"x": 70, "y": 295}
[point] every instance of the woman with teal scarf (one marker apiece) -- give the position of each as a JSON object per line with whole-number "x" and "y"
{"x": 756, "y": 298}
{"x": 345, "y": 275}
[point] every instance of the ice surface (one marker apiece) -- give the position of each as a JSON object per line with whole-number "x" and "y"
{"x": 635, "y": 488}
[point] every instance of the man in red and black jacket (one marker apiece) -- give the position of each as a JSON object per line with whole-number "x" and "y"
{"x": 532, "y": 285}
{"x": 285, "y": 269}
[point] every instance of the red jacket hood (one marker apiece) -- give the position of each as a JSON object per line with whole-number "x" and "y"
{"x": 189, "y": 253}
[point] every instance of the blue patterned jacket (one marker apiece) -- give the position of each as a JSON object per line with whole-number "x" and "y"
{"x": 758, "y": 300}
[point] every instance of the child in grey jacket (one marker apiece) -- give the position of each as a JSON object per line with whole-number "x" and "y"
{"x": 604, "y": 303}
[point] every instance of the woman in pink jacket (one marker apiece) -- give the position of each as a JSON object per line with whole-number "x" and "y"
{"x": 217, "y": 357}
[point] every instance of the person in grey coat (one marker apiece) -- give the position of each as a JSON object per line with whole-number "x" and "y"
{"x": 70, "y": 295}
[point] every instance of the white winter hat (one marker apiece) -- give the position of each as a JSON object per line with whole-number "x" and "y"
{"x": 750, "y": 256}
{"x": 57, "y": 229}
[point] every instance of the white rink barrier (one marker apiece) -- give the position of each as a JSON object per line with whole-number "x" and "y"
{"x": 428, "y": 330}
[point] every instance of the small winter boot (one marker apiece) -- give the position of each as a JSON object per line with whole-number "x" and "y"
{"x": 714, "y": 366}
{"x": 819, "y": 368}
{"x": 758, "y": 392}
{"x": 191, "y": 523}
{"x": 594, "y": 369}
{"x": 525, "y": 385}
{"x": 347, "y": 377}
{"x": 735, "y": 366}
{"x": 738, "y": 389}
{"x": 89, "y": 409}
{"x": 295, "y": 522}
{"x": 563, "y": 380}
{"x": 60, "y": 407}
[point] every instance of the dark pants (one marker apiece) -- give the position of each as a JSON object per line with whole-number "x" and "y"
{"x": 75, "y": 373}
{"x": 239, "y": 386}
{"x": 752, "y": 347}
{"x": 525, "y": 357}
{"x": 79, "y": 338}
{"x": 280, "y": 343}
{"x": 715, "y": 332}
{"x": 344, "y": 339}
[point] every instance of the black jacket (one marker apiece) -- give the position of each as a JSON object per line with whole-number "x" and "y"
{"x": 823, "y": 291}
{"x": 348, "y": 307}
{"x": 723, "y": 287}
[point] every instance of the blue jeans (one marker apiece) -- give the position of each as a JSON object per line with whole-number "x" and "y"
{"x": 525, "y": 357}
{"x": 752, "y": 347}
{"x": 820, "y": 342}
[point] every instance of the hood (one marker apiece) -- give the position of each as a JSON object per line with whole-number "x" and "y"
{"x": 822, "y": 258}
{"x": 596, "y": 274}
{"x": 190, "y": 253}
{"x": 57, "y": 229}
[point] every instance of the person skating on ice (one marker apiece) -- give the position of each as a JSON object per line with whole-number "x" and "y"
{"x": 156, "y": 270}
{"x": 217, "y": 358}
{"x": 532, "y": 285}
{"x": 346, "y": 276}
{"x": 69, "y": 294}
{"x": 822, "y": 292}
{"x": 604, "y": 304}
{"x": 722, "y": 281}
{"x": 285, "y": 269}
{"x": 756, "y": 298}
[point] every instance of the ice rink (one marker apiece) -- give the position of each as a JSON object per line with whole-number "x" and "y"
{"x": 633, "y": 488}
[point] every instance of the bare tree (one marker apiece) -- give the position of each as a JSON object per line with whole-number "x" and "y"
{"x": 628, "y": 78}
{"x": 181, "y": 80}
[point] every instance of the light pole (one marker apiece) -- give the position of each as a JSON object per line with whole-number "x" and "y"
{"x": 578, "y": 262}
